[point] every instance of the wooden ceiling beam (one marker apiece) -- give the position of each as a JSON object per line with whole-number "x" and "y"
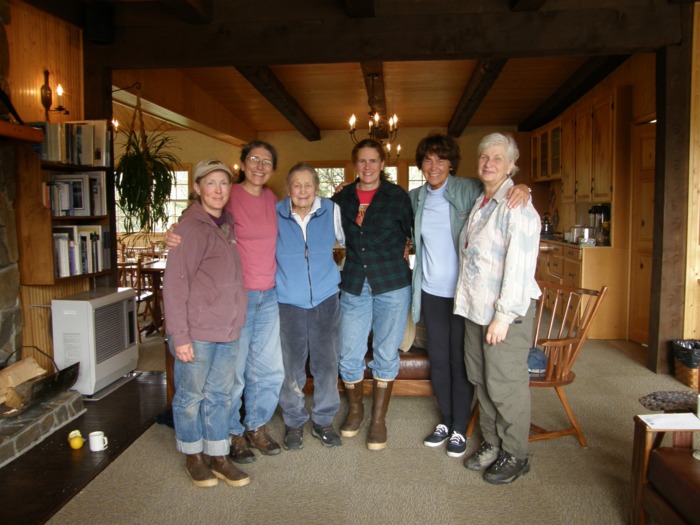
{"x": 359, "y": 8}
{"x": 72, "y": 11}
{"x": 336, "y": 38}
{"x": 264, "y": 80}
{"x": 191, "y": 11}
{"x": 526, "y": 5}
{"x": 583, "y": 80}
{"x": 373, "y": 73}
{"x": 485, "y": 74}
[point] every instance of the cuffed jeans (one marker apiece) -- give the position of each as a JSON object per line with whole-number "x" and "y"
{"x": 202, "y": 401}
{"x": 311, "y": 334}
{"x": 448, "y": 374}
{"x": 499, "y": 373}
{"x": 259, "y": 370}
{"x": 385, "y": 314}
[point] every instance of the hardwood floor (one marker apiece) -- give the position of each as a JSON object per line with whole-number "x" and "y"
{"x": 38, "y": 483}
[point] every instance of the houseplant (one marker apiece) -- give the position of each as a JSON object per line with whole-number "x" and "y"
{"x": 144, "y": 175}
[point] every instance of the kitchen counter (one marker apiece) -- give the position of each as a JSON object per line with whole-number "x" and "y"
{"x": 560, "y": 241}
{"x": 587, "y": 267}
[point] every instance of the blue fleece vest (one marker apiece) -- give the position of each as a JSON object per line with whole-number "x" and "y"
{"x": 301, "y": 280}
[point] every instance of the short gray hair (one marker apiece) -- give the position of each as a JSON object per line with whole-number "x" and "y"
{"x": 303, "y": 166}
{"x": 507, "y": 140}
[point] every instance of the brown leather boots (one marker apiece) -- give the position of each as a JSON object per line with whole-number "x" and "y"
{"x": 377, "y": 435}
{"x": 356, "y": 409}
{"x": 206, "y": 475}
{"x": 381, "y": 393}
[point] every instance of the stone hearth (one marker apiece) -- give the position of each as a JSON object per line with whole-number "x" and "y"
{"x": 19, "y": 434}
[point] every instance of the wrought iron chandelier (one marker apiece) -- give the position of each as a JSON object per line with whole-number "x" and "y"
{"x": 380, "y": 128}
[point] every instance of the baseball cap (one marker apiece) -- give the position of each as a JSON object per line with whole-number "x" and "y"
{"x": 205, "y": 167}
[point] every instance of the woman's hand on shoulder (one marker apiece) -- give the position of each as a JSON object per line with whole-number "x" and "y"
{"x": 519, "y": 195}
{"x": 171, "y": 238}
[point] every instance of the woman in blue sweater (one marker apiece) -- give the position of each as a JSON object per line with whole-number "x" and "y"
{"x": 307, "y": 291}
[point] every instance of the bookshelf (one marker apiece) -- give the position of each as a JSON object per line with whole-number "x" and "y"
{"x": 63, "y": 221}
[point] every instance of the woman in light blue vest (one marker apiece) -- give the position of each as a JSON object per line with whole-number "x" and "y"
{"x": 307, "y": 291}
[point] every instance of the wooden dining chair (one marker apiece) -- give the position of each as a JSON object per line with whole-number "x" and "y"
{"x": 130, "y": 276}
{"x": 562, "y": 321}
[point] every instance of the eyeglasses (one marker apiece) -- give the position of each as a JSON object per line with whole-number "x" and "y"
{"x": 267, "y": 163}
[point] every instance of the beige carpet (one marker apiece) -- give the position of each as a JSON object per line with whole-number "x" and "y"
{"x": 407, "y": 483}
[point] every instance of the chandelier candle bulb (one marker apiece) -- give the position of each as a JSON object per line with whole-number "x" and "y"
{"x": 352, "y": 122}
{"x": 59, "y": 92}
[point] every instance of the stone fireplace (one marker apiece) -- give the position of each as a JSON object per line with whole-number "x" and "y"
{"x": 10, "y": 311}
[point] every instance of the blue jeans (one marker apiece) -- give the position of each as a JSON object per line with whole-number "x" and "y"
{"x": 202, "y": 401}
{"x": 310, "y": 333}
{"x": 259, "y": 368}
{"x": 385, "y": 314}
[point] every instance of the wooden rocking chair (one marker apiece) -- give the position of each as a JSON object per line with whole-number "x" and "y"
{"x": 561, "y": 336}
{"x": 562, "y": 322}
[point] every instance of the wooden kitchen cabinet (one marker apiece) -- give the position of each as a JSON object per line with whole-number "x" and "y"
{"x": 591, "y": 267}
{"x": 582, "y": 171}
{"x": 602, "y": 149}
{"x": 545, "y": 151}
{"x": 535, "y": 156}
{"x": 568, "y": 157}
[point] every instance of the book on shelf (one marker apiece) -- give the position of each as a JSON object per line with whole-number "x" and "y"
{"x": 76, "y": 194}
{"x": 95, "y": 235}
{"x": 61, "y": 247}
{"x": 79, "y": 203}
{"x": 83, "y": 143}
{"x": 75, "y": 263}
{"x": 101, "y": 142}
{"x": 98, "y": 194}
{"x": 81, "y": 249}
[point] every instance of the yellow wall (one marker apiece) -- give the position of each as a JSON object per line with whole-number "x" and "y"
{"x": 337, "y": 146}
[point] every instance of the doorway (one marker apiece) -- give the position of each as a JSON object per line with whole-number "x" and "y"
{"x": 641, "y": 240}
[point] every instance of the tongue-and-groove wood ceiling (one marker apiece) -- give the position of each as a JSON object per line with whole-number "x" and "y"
{"x": 272, "y": 65}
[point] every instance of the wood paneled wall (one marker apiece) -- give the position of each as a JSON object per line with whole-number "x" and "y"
{"x": 36, "y": 309}
{"x": 39, "y": 41}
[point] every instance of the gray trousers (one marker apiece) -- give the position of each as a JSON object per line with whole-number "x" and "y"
{"x": 311, "y": 334}
{"x": 499, "y": 375}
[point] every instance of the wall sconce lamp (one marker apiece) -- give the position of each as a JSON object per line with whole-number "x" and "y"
{"x": 47, "y": 96}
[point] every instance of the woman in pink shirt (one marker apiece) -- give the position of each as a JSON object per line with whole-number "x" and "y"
{"x": 259, "y": 368}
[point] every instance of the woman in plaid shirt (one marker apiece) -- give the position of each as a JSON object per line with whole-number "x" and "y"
{"x": 375, "y": 287}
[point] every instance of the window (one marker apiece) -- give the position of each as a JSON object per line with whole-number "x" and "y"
{"x": 329, "y": 179}
{"x": 178, "y": 201}
{"x": 392, "y": 174}
{"x": 415, "y": 177}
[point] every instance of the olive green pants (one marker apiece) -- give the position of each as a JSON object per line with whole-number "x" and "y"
{"x": 499, "y": 375}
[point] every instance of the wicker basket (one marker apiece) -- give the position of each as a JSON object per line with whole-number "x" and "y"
{"x": 687, "y": 376}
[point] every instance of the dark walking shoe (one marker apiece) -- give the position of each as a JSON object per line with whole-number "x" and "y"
{"x": 483, "y": 458}
{"x": 294, "y": 438}
{"x": 327, "y": 435}
{"x": 457, "y": 445}
{"x": 261, "y": 439}
{"x": 223, "y": 468}
{"x": 198, "y": 471}
{"x": 240, "y": 453}
{"x": 506, "y": 469}
{"x": 438, "y": 437}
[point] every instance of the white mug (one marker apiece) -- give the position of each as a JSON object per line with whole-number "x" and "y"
{"x": 98, "y": 441}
